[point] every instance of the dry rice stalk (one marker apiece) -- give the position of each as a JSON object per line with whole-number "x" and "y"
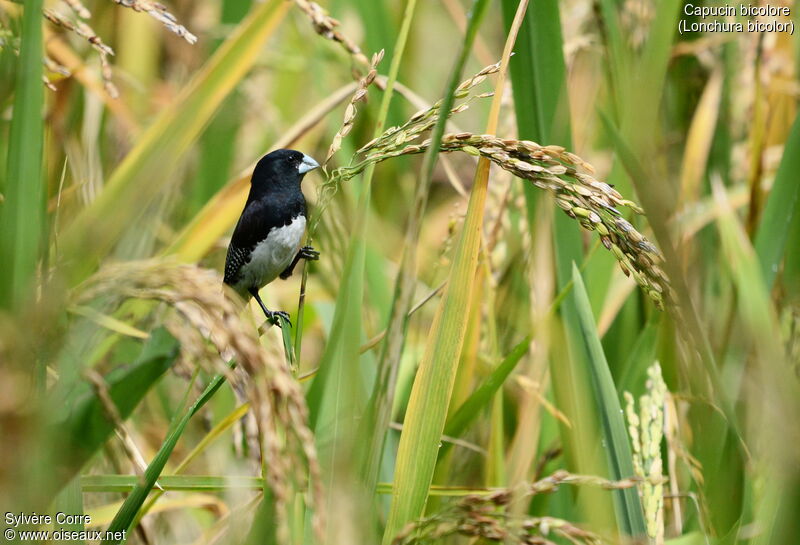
{"x": 87, "y": 33}
{"x": 82, "y": 29}
{"x": 350, "y": 112}
{"x": 325, "y": 26}
{"x": 287, "y": 445}
{"x": 159, "y": 12}
{"x": 79, "y": 9}
{"x": 56, "y": 67}
{"x": 485, "y": 516}
{"x": 111, "y": 412}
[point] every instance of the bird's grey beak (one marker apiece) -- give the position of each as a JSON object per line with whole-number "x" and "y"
{"x": 307, "y": 165}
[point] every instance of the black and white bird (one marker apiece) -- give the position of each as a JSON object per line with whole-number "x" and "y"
{"x": 266, "y": 241}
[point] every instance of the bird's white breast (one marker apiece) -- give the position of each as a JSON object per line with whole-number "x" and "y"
{"x": 272, "y": 255}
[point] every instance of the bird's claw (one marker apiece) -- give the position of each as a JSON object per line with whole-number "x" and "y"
{"x": 309, "y": 253}
{"x": 275, "y": 316}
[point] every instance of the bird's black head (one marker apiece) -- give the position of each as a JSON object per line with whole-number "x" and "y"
{"x": 283, "y": 168}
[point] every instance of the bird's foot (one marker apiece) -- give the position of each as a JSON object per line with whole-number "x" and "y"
{"x": 275, "y": 317}
{"x": 308, "y": 253}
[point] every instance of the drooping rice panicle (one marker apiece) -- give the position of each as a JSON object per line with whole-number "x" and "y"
{"x": 159, "y": 12}
{"x": 325, "y": 26}
{"x": 287, "y": 443}
{"x": 78, "y": 8}
{"x": 594, "y": 204}
{"x": 350, "y": 112}
{"x": 87, "y": 33}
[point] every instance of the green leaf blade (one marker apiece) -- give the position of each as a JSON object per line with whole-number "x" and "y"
{"x": 630, "y": 516}
{"x": 87, "y": 427}
{"x": 22, "y": 214}
{"x": 782, "y": 206}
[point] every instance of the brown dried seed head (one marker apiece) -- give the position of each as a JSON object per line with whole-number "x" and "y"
{"x": 419, "y": 115}
{"x": 491, "y": 69}
{"x": 349, "y": 113}
{"x": 79, "y": 9}
{"x": 623, "y": 225}
{"x": 500, "y": 156}
{"x": 645, "y": 245}
{"x": 359, "y": 95}
{"x": 635, "y": 236}
{"x": 580, "y": 190}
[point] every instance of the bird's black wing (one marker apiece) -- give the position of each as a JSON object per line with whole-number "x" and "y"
{"x": 258, "y": 218}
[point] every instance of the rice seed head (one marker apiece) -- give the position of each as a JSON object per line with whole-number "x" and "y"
{"x": 84, "y": 31}
{"x": 79, "y": 9}
{"x": 277, "y": 401}
{"x": 424, "y": 120}
{"x": 486, "y": 516}
{"x": 351, "y": 110}
{"x": 325, "y": 26}
{"x": 159, "y": 12}
{"x": 646, "y": 430}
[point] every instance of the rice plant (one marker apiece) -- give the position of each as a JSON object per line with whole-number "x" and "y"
{"x": 557, "y": 298}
